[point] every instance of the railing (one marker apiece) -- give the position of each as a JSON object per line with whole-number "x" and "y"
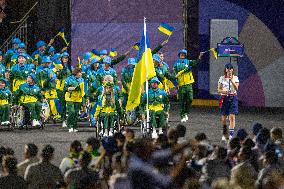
{"x": 20, "y": 32}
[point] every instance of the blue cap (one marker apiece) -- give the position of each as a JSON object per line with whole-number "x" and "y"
{"x": 241, "y": 134}
{"x": 155, "y": 80}
{"x": 182, "y": 51}
{"x": 107, "y": 60}
{"x": 256, "y": 128}
{"x": 23, "y": 55}
{"x": 132, "y": 61}
{"x": 40, "y": 44}
{"x": 4, "y": 80}
{"x": 51, "y": 49}
{"x": 94, "y": 60}
{"x": 22, "y": 46}
{"x": 156, "y": 57}
{"x": 87, "y": 55}
{"x": 46, "y": 59}
{"x": 33, "y": 76}
{"x": 65, "y": 54}
{"x": 96, "y": 52}
{"x": 56, "y": 56}
{"x": 229, "y": 66}
{"x": 103, "y": 52}
{"x": 16, "y": 41}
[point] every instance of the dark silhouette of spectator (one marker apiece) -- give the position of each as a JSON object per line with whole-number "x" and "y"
{"x": 73, "y": 177}
{"x": 43, "y": 174}
{"x": 30, "y": 156}
{"x": 10, "y": 179}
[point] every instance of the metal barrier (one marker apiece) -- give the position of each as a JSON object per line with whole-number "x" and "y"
{"x": 20, "y": 32}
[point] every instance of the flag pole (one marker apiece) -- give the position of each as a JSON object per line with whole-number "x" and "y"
{"x": 147, "y": 84}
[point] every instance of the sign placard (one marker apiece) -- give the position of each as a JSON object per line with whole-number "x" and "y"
{"x": 230, "y": 50}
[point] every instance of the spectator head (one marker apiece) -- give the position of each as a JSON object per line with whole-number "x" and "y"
{"x": 2, "y": 153}
{"x": 10, "y": 151}
{"x": 120, "y": 139}
{"x": 220, "y": 183}
{"x": 162, "y": 142}
{"x": 221, "y": 152}
{"x": 172, "y": 136}
{"x": 241, "y": 134}
{"x": 92, "y": 144}
{"x": 76, "y": 147}
{"x": 200, "y": 137}
{"x": 9, "y": 164}
{"x": 143, "y": 148}
{"x": 244, "y": 154}
{"x": 89, "y": 182}
{"x": 248, "y": 142}
{"x": 269, "y": 158}
{"x": 129, "y": 134}
{"x": 256, "y": 128}
{"x": 201, "y": 151}
{"x": 31, "y": 151}
{"x": 85, "y": 159}
{"x": 47, "y": 153}
{"x": 77, "y": 72}
{"x": 262, "y": 137}
{"x": 234, "y": 143}
{"x": 181, "y": 130}
{"x": 276, "y": 134}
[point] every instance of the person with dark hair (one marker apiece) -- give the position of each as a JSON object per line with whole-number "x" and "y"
{"x": 244, "y": 174}
{"x": 74, "y": 93}
{"x": 43, "y": 174}
{"x": 30, "y": 156}
{"x": 201, "y": 139}
{"x": 129, "y": 135}
{"x": 141, "y": 172}
{"x": 217, "y": 167}
{"x": 277, "y": 139}
{"x": 92, "y": 146}
{"x": 228, "y": 86}
{"x": 262, "y": 138}
{"x": 256, "y": 127}
{"x": 233, "y": 150}
{"x": 73, "y": 177}
{"x": 241, "y": 134}
{"x": 270, "y": 163}
{"x": 72, "y": 160}
{"x": 10, "y": 179}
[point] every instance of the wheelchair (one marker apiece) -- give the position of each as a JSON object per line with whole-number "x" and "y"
{"x": 21, "y": 118}
{"x": 147, "y": 128}
{"x": 100, "y": 131}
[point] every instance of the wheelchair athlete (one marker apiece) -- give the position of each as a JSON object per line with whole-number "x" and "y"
{"x": 29, "y": 97}
{"x": 159, "y": 107}
{"x": 5, "y": 97}
{"x": 108, "y": 108}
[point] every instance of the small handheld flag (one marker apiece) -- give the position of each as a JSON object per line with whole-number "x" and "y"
{"x": 136, "y": 46}
{"x": 62, "y": 35}
{"x": 213, "y": 50}
{"x": 166, "y": 28}
{"x": 113, "y": 52}
{"x": 79, "y": 65}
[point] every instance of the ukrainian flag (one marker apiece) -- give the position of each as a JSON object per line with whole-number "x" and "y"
{"x": 62, "y": 35}
{"x": 55, "y": 106}
{"x": 144, "y": 67}
{"x": 113, "y": 52}
{"x": 166, "y": 28}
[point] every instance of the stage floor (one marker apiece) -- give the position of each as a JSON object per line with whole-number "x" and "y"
{"x": 201, "y": 119}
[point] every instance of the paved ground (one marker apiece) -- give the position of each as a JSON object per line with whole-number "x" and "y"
{"x": 202, "y": 119}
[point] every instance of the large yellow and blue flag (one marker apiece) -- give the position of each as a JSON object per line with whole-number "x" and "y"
{"x": 143, "y": 69}
{"x": 62, "y": 35}
{"x": 166, "y": 28}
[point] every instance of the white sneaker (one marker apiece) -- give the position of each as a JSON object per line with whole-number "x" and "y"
{"x": 35, "y": 123}
{"x": 101, "y": 133}
{"x": 186, "y": 118}
{"x": 224, "y": 138}
{"x": 154, "y": 134}
{"x": 75, "y": 130}
{"x": 183, "y": 120}
{"x": 64, "y": 124}
{"x": 230, "y": 137}
{"x": 106, "y": 133}
{"x": 160, "y": 130}
{"x": 5, "y": 123}
{"x": 71, "y": 130}
{"x": 110, "y": 132}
